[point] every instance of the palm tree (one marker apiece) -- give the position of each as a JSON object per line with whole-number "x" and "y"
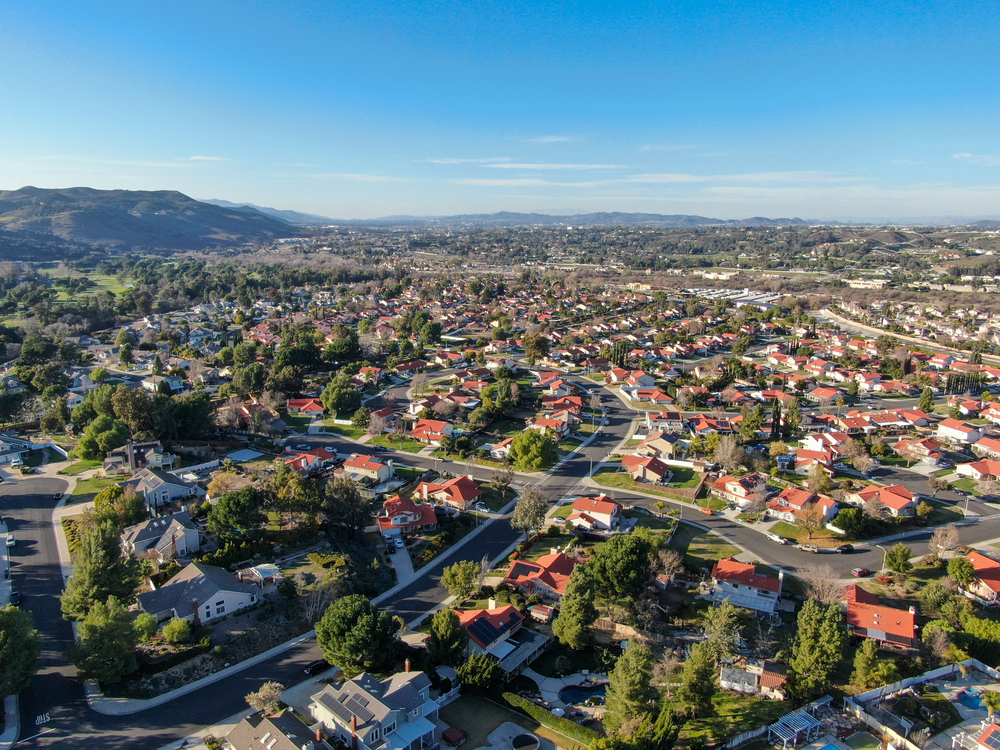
{"x": 659, "y": 505}
{"x": 991, "y": 702}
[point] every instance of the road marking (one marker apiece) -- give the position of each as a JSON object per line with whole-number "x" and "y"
{"x": 28, "y": 739}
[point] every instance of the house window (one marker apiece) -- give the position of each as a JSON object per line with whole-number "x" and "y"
{"x": 390, "y": 728}
{"x": 374, "y": 734}
{"x": 208, "y": 612}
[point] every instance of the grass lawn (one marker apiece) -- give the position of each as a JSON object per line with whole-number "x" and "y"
{"x": 943, "y": 514}
{"x": 938, "y": 473}
{"x": 34, "y": 458}
{"x": 609, "y": 476}
{"x": 407, "y": 472}
{"x": 407, "y": 445}
{"x": 102, "y": 283}
{"x": 476, "y": 717}
{"x": 863, "y": 741}
{"x": 650, "y": 522}
{"x": 733, "y": 712}
{"x": 348, "y": 431}
{"x": 588, "y": 428}
{"x": 507, "y": 427}
{"x": 545, "y": 664}
{"x": 820, "y": 537}
{"x": 564, "y": 510}
{"x": 968, "y": 484}
{"x": 700, "y": 547}
{"x": 86, "y": 490}
{"x": 297, "y": 422}
{"x": 493, "y": 500}
{"x": 79, "y": 467}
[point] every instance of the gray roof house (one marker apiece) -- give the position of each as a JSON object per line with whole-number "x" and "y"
{"x": 396, "y": 713}
{"x": 282, "y": 732}
{"x": 134, "y": 456}
{"x": 165, "y": 538}
{"x": 11, "y": 446}
{"x": 161, "y": 487}
{"x": 199, "y": 594}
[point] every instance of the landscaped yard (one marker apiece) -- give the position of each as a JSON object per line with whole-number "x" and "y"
{"x": 79, "y": 467}
{"x": 733, "y": 713}
{"x": 820, "y": 537}
{"x": 700, "y": 548}
{"x": 407, "y": 445}
{"x": 348, "y": 431}
{"x": 84, "y": 491}
{"x": 609, "y": 476}
{"x": 476, "y": 717}
{"x": 507, "y": 427}
{"x": 36, "y": 457}
{"x": 545, "y": 664}
{"x": 863, "y": 741}
{"x": 494, "y": 500}
{"x": 968, "y": 484}
{"x": 297, "y": 422}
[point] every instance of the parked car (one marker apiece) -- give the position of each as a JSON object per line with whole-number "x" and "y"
{"x": 11, "y": 541}
{"x": 707, "y": 511}
{"x": 301, "y": 447}
{"x": 15, "y": 597}
{"x": 482, "y": 508}
{"x": 390, "y": 547}
{"x": 808, "y": 548}
{"x": 400, "y": 544}
{"x": 378, "y": 448}
{"x": 860, "y": 572}
{"x": 315, "y": 667}
{"x": 778, "y": 539}
{"x": 844, "y": 548}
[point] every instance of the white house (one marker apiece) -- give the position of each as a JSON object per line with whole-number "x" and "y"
{"x": 956, "y": 432}
{"x": 160, "y": 487}
{"x": 745, "y": 586}
{"x": 166, "y": 537}
{"x": 595, "y": 513}
{"x": 198, "y": 594}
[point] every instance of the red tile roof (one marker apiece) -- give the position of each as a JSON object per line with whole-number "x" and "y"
{"x": 553, "y": 570}
{"x": 865, "y": 611}
{"x": 745, "y": 574}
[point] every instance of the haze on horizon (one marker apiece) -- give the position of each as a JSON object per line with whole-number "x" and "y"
{"x": 855, "y": 110}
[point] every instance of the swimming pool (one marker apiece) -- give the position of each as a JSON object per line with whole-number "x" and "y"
{"x": 573, "y": 694}
{"x": 970, "y": 698}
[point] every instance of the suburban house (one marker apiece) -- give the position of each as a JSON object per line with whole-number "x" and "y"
{"x": 546, "y": 576}
{"x": 498, "y": 632}
{"x": 160, "y": 487}
{"x": 986, "y": 584}
{"x": 306, "y": 462}
{"x": 927, "y": 451}
{"x": 669, "y": 421}
{"x": 766, "y": 678}
{"x": 745, "y": 586}
{"x": 647, "y": 469}
{"x": 869, "y": 618}
{"x": 558, "y": 428}
{"x": 431, "y": 431}
{"x": 164, "y": 538}
{"x": 956, "y": 432}
{"x": 989, "y": 738}
{"x": 740, "y": 490}
{"x": 599, "y": 513}
{"x": 460, "y": 492}
{"x": 286, "y": 731}
{"x": 660, "y": 444}
{"x": 895, "y": 497}
{"x": 983, "y": 469}
{"x": 502, "y": 449}
{"x": 368, "y": 468}
{"x": 134, "y": 456}
{"x": 987, "y": 446}
{"x": 366, "y": 713}
{"x": 401, "y": 515}
{"x": 11, "y": 447}
{"x": 199, "y": 594}
{"x": 309, "y": 407}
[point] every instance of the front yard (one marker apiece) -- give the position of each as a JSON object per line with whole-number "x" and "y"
{"x": 297, "y": 422}
{"x": 79, "y": 467}
{"x": 609, "y": 476}
{"x": 700, "y": 548}
{"x": 86, "y": 490}
{"x": 406, "y": 445}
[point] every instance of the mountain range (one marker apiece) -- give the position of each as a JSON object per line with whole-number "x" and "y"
{"x": 289, "y": 217}
{"x": 127, "y": 219}
{"x": 600, "y": 219}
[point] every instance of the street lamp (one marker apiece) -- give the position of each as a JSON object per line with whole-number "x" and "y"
{"x": 885, "y": 555}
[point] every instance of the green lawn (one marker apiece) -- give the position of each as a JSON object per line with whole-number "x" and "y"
{"x": 86, "y": 490}
{"x": 507, "y": 427}
{"x": 476, "y": 716}
{"x": 348, "y": 431}
{"x": 650, "y": 522}
{"x": 297, "y": 422}
{"x": 545, "y": 664}
{"x": 968, "y": 484}
{"x": 863, "y": 741}
{"x": 820, "y": 537}
{"x": 407, "y": 445}
{"x": 34, "y": 458}
{"x": 493, "y": 500}
{"x": 943, "y": 514}
{"x": 700, "y": 548}
{"x": 102, "y": 283}
{"x": 564, "y": 510}
{"x": 407, "y": 472}
{"x": 733, "y": 712}
{"x": 609, "y": 476}
{"x": 79, "y": 467}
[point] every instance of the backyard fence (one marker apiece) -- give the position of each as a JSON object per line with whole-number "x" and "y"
{"x": 626, "y": 631}
{"x": 744, "y": 737}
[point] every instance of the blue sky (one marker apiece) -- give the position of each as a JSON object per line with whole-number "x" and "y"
{"x": 833, "y": 109}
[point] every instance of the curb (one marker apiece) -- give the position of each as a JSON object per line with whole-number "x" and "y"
{"x": 12, "y": 726}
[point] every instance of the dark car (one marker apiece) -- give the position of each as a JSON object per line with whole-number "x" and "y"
{"x": 315, "y": 667}
{"x": 379, "y": 448}
{"x": 15, "y": 597}
{"x": 845, "y": 548}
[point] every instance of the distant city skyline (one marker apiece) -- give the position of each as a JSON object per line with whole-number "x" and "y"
{"x": 852, "y": 111}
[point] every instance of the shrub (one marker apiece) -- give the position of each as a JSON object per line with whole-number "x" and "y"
{"x": 176, "y": 630}
{"x": 559, "y": 723}
{"x": 145, "y": 626}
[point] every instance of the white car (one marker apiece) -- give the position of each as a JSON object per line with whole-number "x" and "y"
{"x": 778, "y": 539}
{"x": 482, "y": 508}
{"x": 11, "y": 541}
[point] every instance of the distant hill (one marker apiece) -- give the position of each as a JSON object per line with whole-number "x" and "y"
{"x": 985, "y": 224}
{"x": 289, "y": 217}
{"x": 125, "y": 219}
{"x": 602, "y": 219}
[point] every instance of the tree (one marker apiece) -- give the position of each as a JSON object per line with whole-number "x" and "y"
{"x": 106, "y": 642}
{"x": 621, "y": 567}
{"x": 249, "y": 380}
{"x": 938, "y": 484}
{"x": 357, "y": 637}
{"x": 961, "y": 571}
{"x": 698, "y": 680}
{"x": 176, "y": 630}
{"x": 100, "y": 571}
{"x": 897, "y": 559}
{"x": 818, "y": 647}
{"x": 753, "y": 420}
{"x": 630, "y": 694}
{"x": 287, "y": 588}
{"x": 926, "y": 402}
{"x": 875, "y": 509}
{"x": 145, "y": 626}
{"x": 991, "y": 702}
{"x": 447, "y": 640}
{"x": 818, "y": 480}
{"x": 865, "y": 664}
{"x": 237, "y": 513}
{"x": 822, "y": 583}
{"x": 361, "y": 417}
{"x": 529, "y": 513}
{"x": 793, "y": 419}
{"x": 536, "y": 347}
{"x": 344, "y": 506}
{"x": 924, "y": 510}
{"x": 501, "y": 480}
{"x": 460, "y": 578}
{"x": 576, "y": 610}
{"x": 944, "y": 539}
{"x": 531, "y": 450}
{"x": 479, "y": 674}
{"x": 730, "y": 453}
{"x": 20, "y": 646}
{"x": 123, "y": 506}
{"x": 723, "y": 628}
{"x": 267, "y": 698}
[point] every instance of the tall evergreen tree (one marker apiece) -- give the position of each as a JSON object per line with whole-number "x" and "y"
{"x": 99, "y": 571}
{"x": 20, "y": 646}
{"x": 630, "y": 693}
{"x": 818, "y": 647}
{"x": 698, "y": 680}
{"x": 576, "y": 610}
{"x": 447, "y": 640}
{"x": 105, "y": 645}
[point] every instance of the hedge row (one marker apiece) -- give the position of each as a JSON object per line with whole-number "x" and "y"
{"x": 546, "y": 718}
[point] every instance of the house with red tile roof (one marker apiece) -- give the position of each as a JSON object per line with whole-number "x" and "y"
{"x": 740, "y": 490}
{"x": 869, "y": 618}
{"x": 431, "y": 431}
{"x": 745, "y": 585}
{"x": 460, "y": 492}
{"x": 987, "y": 446}
{"x": 986, "y": 584}
{"x": 899, "y": 500}
{"x": 926, "y": 450}
{"x": 557, "y": 427}
{"x": 400, "y": 515}
{"x": 489, "y": 628}
{"x": 599, "y": 513}
{"x": 983, "y": 469}
{"x": 647, "y": 469}
{"x": 359, "y": 466}
{"x": 547, "y": 576}
{"x": 311, "y": 407}
{"x": 306, "y": 462}
{"x": 957, "y": 432}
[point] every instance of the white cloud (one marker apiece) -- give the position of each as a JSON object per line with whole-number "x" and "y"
{"x": 494, "y": 160}
{"x": 986, "y": 159}
{"x": 666, "y": 147}
{"x": 556, "y": 166}
{"x": 521, "y": 182}
{"x": 804, "y": 177}
{"x": 551, "y": 139}
{"x": 203, "y": 158}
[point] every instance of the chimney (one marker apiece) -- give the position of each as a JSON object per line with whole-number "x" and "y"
{"x": 406, "y": 665}
{"x": 319, "y": 735}
{"x": 423, "y": 488}
{"x": 354, "y": 732}
{"x": 470, "y": 477}
{"x": 194, "y": 606}
{"x": 491, "y": 603}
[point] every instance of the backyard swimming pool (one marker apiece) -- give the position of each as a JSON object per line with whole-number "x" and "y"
{"x": 573, "y": 694}
{"x": 970, "y": 698}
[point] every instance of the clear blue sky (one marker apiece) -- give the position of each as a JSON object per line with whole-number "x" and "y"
{"x": 730, "y": 109}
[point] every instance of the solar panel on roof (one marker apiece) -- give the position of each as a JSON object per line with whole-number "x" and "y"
{"x": 993, "y": 740}
{"x": 483, "y": 631}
